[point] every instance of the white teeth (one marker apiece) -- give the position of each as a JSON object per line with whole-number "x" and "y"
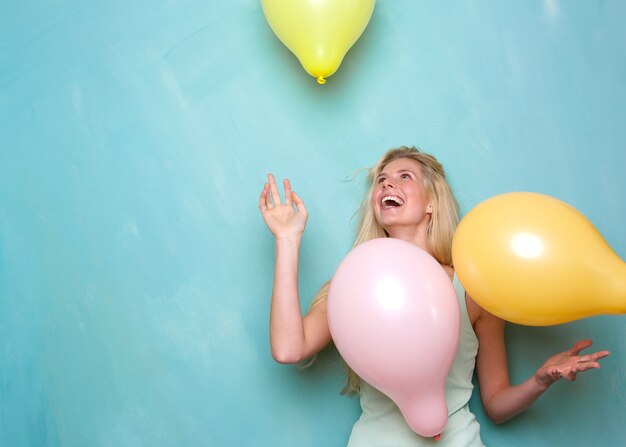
{"x": 397, "y": 201}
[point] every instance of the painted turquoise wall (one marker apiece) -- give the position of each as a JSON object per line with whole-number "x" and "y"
{"x": 135, "y": 270}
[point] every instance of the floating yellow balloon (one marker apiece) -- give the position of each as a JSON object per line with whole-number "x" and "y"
{"x": 534, "y": 260}
{"x": 318, "y": 32}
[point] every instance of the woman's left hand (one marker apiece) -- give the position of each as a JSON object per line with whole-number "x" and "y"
{"x": 569, "y": 363}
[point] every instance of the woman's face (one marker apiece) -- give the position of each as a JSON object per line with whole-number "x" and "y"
{"x": 399, "y": 197}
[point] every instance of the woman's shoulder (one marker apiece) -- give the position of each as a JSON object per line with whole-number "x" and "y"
{"x": 449, "y": 270}
{"x": 474, "y": 310}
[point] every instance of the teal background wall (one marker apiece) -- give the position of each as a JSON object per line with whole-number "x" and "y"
{"x": 135, "y": 270}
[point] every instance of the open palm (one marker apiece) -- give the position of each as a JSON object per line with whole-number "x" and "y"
{"x": 284, "y": 220}
{"x": 568, "y": 363}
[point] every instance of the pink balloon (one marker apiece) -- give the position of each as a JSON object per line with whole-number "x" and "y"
{"x": 394, "y": 317}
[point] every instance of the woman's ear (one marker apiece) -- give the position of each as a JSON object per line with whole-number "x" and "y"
{"x": 429, "y": 208}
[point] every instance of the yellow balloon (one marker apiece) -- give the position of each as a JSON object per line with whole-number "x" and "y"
{"x": 318, "y": 32}
{"x": 534, "y": 260}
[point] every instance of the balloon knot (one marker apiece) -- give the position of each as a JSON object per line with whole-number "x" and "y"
{"x": 438, "y": 437}
{"x": 321, "y": 80}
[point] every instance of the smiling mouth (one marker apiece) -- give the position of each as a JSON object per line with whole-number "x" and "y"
{"x": 391, "y": 202}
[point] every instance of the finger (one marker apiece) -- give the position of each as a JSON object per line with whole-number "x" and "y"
{"x": 287, "y": 186}
{"x": 593, "y": 357}
{"x": 263, "y": 198}
{"x": 568, "y": 373}
{"x": 274, "y": 190}
{"x": 555, "y": 374}
{"x": 579, "y": 346}
{"x": 571, "y": 376}
{"x": 298, "y": 202}
{"x": 268, "y": 200}
{"x": 600, "y": 355}
{"x": 584, "y": 366}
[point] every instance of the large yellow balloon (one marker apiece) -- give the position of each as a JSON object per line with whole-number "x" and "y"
{"x": 318, "y": 32}
{"x": 534, "y": 260}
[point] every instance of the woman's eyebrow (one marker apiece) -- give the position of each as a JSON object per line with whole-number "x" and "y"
{"x": 398, "y": 172}
{"x": 402, "y": 171}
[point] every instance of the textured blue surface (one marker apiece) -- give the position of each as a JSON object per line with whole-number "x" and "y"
{"x": 135, "y": 270}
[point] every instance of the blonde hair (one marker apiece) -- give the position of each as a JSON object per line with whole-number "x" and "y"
{"x": 441, "y": 227}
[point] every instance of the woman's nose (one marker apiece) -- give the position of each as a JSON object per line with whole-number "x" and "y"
{"x": 387, "y": 182}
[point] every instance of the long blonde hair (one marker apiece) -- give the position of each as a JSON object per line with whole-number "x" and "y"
{"x": 441, "y": 227}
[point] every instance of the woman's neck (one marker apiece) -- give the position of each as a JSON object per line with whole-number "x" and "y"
{"x": 414, "y": 234}
{"x": 417, "y": 238}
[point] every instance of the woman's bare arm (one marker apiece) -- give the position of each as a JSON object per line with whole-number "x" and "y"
{"x": 292, "y": 337}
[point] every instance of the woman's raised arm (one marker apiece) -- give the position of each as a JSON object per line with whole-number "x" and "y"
{"x": 292, "y": 337}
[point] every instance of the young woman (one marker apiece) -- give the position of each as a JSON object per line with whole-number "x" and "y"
{"x": 409, "y": 199}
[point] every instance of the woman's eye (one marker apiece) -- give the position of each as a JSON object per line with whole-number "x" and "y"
{"x": 380, "y": 180}
{"x": 405, "y": 176}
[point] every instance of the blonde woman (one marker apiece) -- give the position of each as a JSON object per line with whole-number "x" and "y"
{"x": 409, "y": 199}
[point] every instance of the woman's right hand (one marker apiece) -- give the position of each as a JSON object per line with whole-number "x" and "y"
{"x": 283, "y": 219}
